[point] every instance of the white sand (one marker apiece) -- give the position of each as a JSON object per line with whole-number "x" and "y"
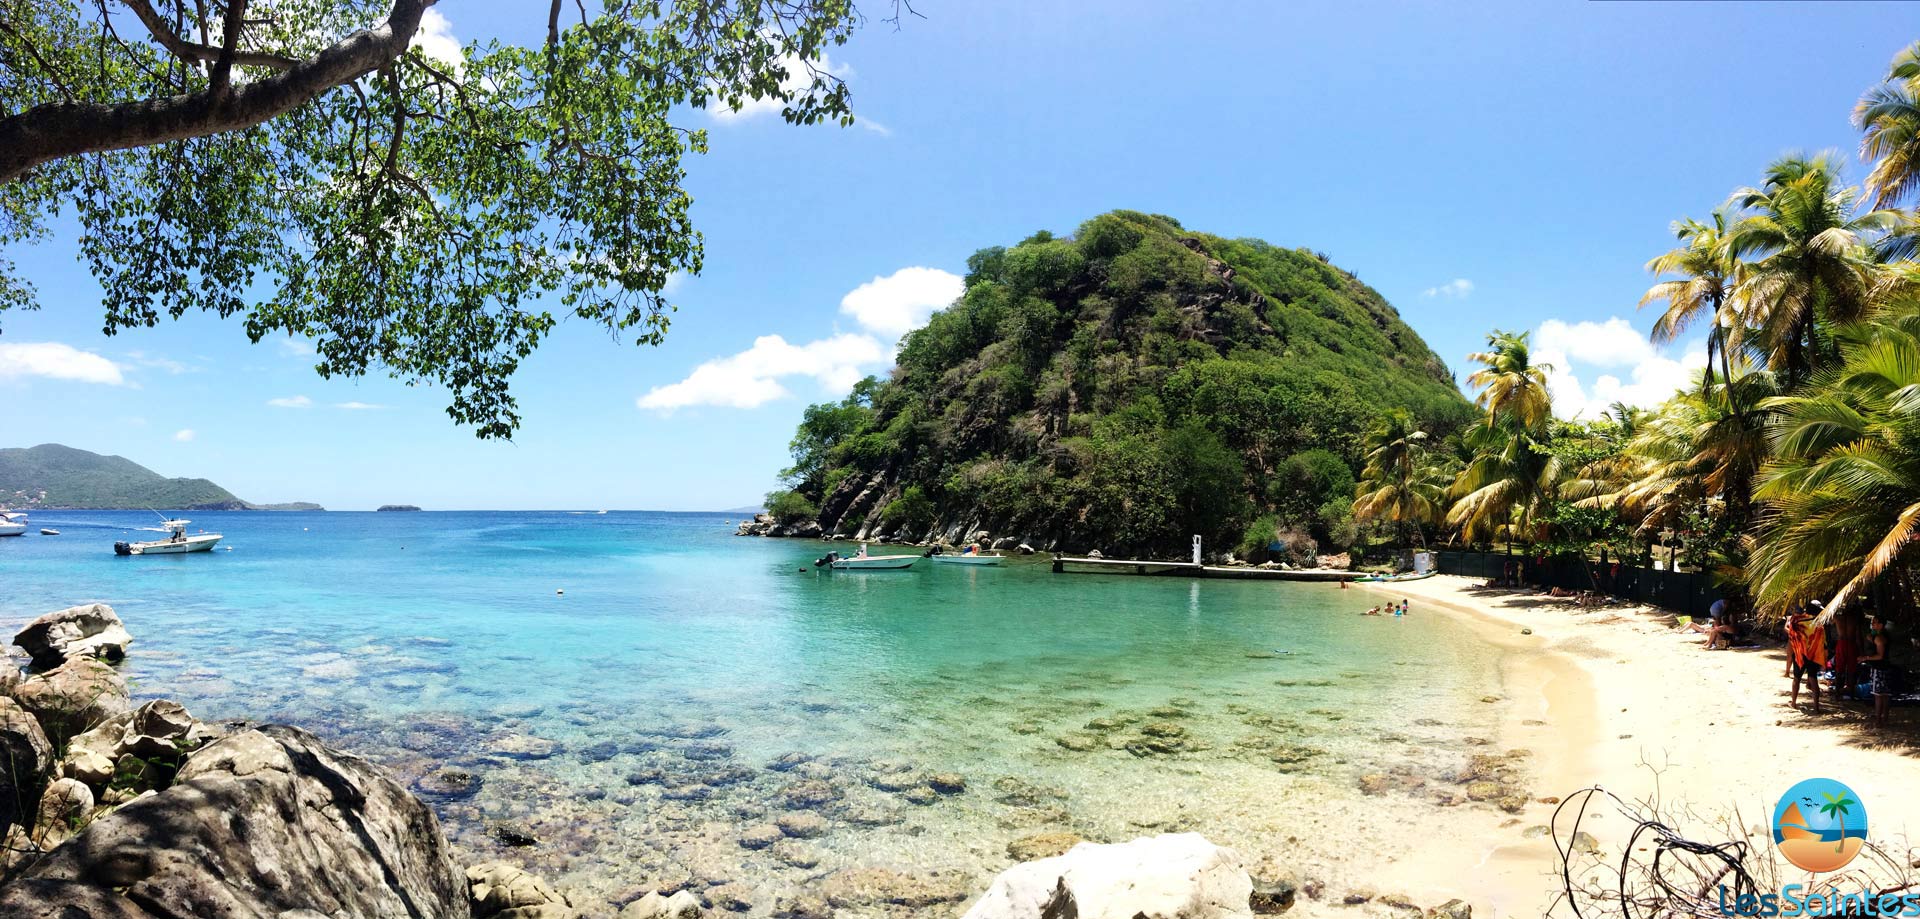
{"x": 1610, "y": 690}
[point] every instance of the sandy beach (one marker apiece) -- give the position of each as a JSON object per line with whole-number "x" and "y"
{"x": 1619, "y": 697}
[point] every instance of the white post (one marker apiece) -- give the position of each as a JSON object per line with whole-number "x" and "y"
{"x": 1196, "y": 548}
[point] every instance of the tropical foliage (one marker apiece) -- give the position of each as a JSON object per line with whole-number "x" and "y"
{"x": 1790, "y": 467}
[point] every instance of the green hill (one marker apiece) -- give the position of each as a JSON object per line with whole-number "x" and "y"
{"x": 1122, "y": 389}
{"x": 55, "y": 476}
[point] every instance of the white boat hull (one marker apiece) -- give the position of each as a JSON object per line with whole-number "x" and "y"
{"x": 875, "y": 563}
{"x": 968, "y": 559}
{"x": 13, "y": 529}
{"x": 201, "y": 543}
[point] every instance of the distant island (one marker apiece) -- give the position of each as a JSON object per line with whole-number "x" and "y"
{"x": 397, "y": 507}
{"x": 54, "y": 476}
{"x": 746, "y": 511}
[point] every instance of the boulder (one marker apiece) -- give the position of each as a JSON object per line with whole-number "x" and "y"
{"x": 497, "y": 890}
{"x": 25, "y": 757}
{"x": 157, "y": 729}
{"x": 1156, "y": 877}
{"x": 73, "y": 697}
{"x": 263, "y": 822}
{"x": 682, "y": 905}
{"x": 63, "y": 810}
{"x": 77, "y": 631}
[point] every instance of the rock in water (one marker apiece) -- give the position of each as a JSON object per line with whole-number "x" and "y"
{"x": 1157, "y": 877}
{"x": 77, "y": 631}
{"x": 264, "y": 822}
{"x": 681, "y": 905}
{"x": 498, "y": 890}
{"x": 73, "y": 697}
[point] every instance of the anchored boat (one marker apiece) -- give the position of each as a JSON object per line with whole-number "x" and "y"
{"x": 969, "y": 557}
{"x": 176, "y": 543}
{"x": 865, "y": 562}
{"x": 12, "y": 524}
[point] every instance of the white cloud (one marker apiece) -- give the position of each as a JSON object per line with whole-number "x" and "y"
{"x": 1642, "y": 375}
{"x": 901, "y": 302}
{"x": 290, "y": 402}
{"x": 874, "y": 126}
{"x": 157, "y": 362}
{"x": 435, "y": 38}
{"x": 752, "y": 377}
{"x": 56, "y": 361}
{"x": 1456, "y": 289}
{"x": 358, "y": 406}
{"x": 799, "y": 78}
{"x": 183, "y": 435}
{"x": 297, "y": 347}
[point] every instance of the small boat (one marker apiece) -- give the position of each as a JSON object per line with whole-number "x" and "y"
{"x": 865, "y": 562}
{"x": 176, "y": 543}
{"x": 977, "y": 558}
{"x": 12, "y": 524}
{"x": 1397, "y": 578}
{"x": 49, "y": 531}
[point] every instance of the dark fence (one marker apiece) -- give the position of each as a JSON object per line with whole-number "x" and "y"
{"x": 1688, "y": 592}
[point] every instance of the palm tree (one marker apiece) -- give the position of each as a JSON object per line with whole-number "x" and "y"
{"x": 1836, "y": 807}
{"x": 1889, "y": 116}
{"x": 1400, "y": 483}
{"x": 1511, "y": 480}
{"x": 1708, "y": 273}
{"x": 1811, "y": 260}
{"x": 1698, "y": 448}
{"x": 1512, "y": 387}
{"x": 1843, "y": 488}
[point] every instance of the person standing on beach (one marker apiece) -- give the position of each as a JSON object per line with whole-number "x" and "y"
{"x": 1846, "y": 655}
{"x": 1879, "y": 670}
{"x": 1806, "y": 653}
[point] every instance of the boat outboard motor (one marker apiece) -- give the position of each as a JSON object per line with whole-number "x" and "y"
{"x": 826, "y": 559}
{"x": 121, "y": 548}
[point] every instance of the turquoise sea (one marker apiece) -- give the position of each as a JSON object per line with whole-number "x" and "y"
{"x": 681, "y": 658}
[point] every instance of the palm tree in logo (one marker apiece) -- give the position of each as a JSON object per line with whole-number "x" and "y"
{"x": 1836, "y": 807}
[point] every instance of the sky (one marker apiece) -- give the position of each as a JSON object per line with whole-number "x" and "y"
{"x": 1486, "y": 165}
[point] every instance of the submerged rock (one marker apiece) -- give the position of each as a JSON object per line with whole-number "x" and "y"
{"x": 1042, "y": 845}
{"x": 265, "y": 822}
{"x": 947, "y": 783}
{"x": 1160, "y": 877}
{"x": 682, "y": 905}
{"x": 854, "y": 888}
{"x": 93, "y": 630}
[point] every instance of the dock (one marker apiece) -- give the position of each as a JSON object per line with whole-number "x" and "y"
{"x": 1069, "y": 565}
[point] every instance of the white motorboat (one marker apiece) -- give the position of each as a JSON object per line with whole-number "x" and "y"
{"x": 49, "y": 531}
{"x": 13, "y": 524}
{"x": 865, "y": 562}
{"x": 176, "y": 543}
{"x": 977, "y": 558}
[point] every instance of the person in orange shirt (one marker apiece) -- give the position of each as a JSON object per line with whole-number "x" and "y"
{"x": 1806, "y": 652}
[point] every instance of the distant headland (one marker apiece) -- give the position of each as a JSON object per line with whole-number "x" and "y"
{"x": 53, "y": 476}
{"x": 397, "y": 507}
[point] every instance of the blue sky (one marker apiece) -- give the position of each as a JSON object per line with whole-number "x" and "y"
{"x": 1482, "y": 165}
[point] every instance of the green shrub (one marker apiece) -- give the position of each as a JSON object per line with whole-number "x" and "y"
{"x": 913, "y": 510}
{"x": 788, "y": 506}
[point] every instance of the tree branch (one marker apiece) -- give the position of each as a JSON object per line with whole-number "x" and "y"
{"x": 53, "y": 76}
{"x": 221, "y": 84}
{"x": 194, "y": 53}
{"x": 54, "y": 131}
{"x": 553, "y": 24}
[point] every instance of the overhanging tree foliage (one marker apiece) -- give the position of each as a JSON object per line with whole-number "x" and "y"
{"x": 305, "y": 165}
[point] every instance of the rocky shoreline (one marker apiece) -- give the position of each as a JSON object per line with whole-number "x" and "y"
{"x": 105, "y": 772}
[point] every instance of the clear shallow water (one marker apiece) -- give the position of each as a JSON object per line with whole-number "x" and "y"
{"x": 430, "y": 640}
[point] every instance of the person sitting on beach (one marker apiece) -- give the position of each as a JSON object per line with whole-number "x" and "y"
{"x": 1806, "y": 653}
{"x": 1561, "y": 592}
{"x": 1719, "y": 625}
